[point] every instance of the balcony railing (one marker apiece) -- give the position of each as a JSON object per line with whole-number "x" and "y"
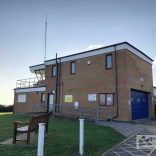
{"x": 30, "y": 82}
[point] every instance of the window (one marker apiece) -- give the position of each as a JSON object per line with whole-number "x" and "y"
{"x": 40, "y": 74}
{"x": 73, "y": 67}
{"x": 109, "y": 62}
{"x": 106, "y": 99}
{"x": 43, "y": 97}
{"x": 109, "y": 99}
{"x": 54, "y": 71}
{"x": 102, "y": 99}
{"x": 21, "y": 98}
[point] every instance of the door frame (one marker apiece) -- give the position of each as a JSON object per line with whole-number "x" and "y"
{"x": 48, "y": 101}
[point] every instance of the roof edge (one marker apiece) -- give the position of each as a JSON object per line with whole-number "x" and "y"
{"x": 84, "y": 52}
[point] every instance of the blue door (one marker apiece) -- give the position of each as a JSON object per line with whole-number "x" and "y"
{"x": 139, "y": 105}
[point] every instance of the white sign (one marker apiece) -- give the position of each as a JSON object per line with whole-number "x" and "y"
{"x": 76, "y": 104}
{"x": 91, "y": 97}
{"x": 146, "y": 141}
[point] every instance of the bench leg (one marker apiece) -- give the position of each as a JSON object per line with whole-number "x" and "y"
{"x": 28, "y": 138}
{"x": 46, "y": 128}
{"x": 14, "y": 134}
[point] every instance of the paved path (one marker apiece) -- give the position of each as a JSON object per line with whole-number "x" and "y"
{"x": 21, "y": 137}
{"x": 125, "y": 129}
{"x": 128, "y": 146}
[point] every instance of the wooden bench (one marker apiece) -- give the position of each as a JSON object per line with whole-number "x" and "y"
{"x": 31, "y": 126}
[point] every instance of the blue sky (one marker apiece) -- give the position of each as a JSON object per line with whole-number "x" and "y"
{"x": 73, "y": 26}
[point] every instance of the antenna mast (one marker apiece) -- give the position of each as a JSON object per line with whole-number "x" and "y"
{"x": 45, "y": 40}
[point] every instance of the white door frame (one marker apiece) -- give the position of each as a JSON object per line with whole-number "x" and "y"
{"x": 50, "y": 102}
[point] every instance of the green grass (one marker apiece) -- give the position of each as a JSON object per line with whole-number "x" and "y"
{"x": 6, "y": 124}
{"x": 62, "y": 140}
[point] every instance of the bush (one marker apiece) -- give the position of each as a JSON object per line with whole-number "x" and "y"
{"x": 4, "y": 108}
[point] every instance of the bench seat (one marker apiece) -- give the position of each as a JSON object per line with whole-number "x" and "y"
{"x": 30, "y": 126}
{"x": 23, "y": 129}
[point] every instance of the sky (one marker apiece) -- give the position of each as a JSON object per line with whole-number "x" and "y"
{"x": 73, "y": 26}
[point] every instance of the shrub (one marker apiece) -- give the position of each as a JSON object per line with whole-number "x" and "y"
{"x": 7, "y": 108}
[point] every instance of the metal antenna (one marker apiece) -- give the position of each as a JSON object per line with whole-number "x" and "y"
{"x": 45, "y": 39}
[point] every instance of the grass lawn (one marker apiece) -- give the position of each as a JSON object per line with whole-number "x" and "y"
{"x": 6, "y": 124}
{"x": 62, "y": 140}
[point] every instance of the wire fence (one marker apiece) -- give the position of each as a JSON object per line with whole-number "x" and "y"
{"x": 92, "y": 113}
{"x": 96, "y": 113}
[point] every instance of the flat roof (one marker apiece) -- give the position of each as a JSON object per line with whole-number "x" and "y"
{"x": 93, "y": 52}
{"x": 113, "y": 45}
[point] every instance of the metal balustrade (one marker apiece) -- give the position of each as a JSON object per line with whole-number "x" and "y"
{"x": 30, "y": 82}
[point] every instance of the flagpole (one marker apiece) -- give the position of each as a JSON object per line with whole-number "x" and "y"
{"x": 45, "y": 40}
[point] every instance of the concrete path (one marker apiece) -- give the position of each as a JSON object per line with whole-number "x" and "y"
{"x": 21, "y": 137}
{"x": 128, "y": 146}
{"x": 124, "y": 128}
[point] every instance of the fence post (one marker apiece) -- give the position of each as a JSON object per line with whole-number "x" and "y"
{"x": 81, "y": 137}
{"x": 97, "y": 115}
{"x": 41, "y": 139}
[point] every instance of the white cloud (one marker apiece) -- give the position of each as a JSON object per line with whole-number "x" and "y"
{"x": 94, "y": 46}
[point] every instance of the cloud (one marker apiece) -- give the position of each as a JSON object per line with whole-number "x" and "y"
{"x": 94, "y": 46}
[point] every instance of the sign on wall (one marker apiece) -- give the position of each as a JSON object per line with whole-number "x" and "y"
{"x": 68, "y": 98}
{"x": 91, "y": 97}
{"x": 76, "y": 104}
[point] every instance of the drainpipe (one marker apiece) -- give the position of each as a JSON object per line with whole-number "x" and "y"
{"x": 56, "y": 91}
{"x": 116, "y": 85}
{"x": 59, "y": 84}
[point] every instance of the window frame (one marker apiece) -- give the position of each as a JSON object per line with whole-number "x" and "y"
{"x": 106, "y": 61}
{"x": 43, "y": 95}
{"x": 71, "y": 67}
{"x": 54, "y": 66}
{"x": 21, "y": 98}
{"x": 106, "y": 102}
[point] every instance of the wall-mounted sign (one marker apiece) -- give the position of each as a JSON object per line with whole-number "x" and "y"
{"x": 76, "y": 104}
{"x": 68, "y": 98}
{"x": 91, "y": 97}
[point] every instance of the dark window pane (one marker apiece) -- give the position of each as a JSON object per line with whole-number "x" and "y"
{"x": 54, "y": 70}
{"x": 108, "y": 61}
{"x": 73, "y": 67}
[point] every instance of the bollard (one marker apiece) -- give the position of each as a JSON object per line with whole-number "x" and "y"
{"x": 41, "y": 139}
{"x": 97, "y": 116}
{"x": 81, "y": 137}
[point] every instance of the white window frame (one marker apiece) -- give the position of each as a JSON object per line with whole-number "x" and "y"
{"x": 72, "y": 67}
{"x": 21, "y": 98}
{"x": 54, "y": 71}
{"x": 109, "y": 61}
{"x": 43, "y": 97}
